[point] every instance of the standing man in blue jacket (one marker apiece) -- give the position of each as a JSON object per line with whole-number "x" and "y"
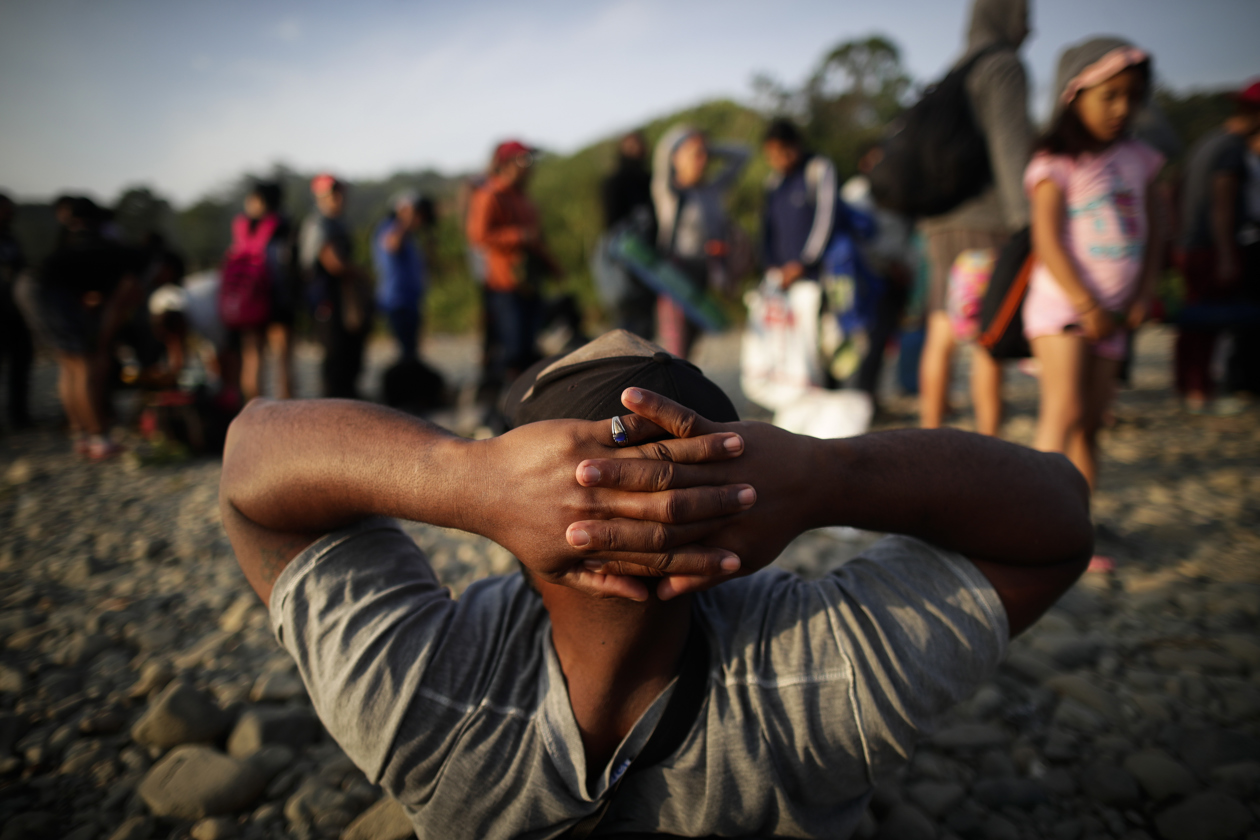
{"x": 800, "y": 210}
{"x": 400, "y": 271}
{"x": 798, "y": 222}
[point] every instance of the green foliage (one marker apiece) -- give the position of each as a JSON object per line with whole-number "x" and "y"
{"x": 140, "y": 211}
{"x": 857, "y": 89}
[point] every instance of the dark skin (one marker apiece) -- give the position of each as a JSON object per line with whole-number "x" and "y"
{"x": 586, "y": 518}
{"x": 1021, "y": 516}
{"x": 339, "y": 461}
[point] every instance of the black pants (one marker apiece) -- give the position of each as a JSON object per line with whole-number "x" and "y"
{"x": 343, "y": 356}
{"x": 17, "y": 353}
{"x": 1242, "y": 371}
{"x": 887, "y": 317}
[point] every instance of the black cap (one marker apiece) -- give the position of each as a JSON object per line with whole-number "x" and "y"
{"x": 587, "y": 383}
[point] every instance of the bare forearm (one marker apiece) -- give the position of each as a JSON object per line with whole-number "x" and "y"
{"x": 332, "y": 262}
{"x": 312, "y": 466}
{"x": 982, "y": 497}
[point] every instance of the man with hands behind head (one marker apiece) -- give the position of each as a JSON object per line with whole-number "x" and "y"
{"x": 639, "y": 677}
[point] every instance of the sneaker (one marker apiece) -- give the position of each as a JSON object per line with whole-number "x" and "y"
{"x": 1230, "y": 406}
{"x": 103, "y": 450}
{"x": 1195, "y": 404}
{"x": 1100, "y": 564}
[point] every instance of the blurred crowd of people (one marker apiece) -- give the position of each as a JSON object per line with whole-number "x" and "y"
{"x": 848, "y": 272}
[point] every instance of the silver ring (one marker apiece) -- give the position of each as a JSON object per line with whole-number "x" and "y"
{"x": 618, "y": 432}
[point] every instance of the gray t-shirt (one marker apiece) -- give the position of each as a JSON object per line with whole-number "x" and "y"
{"x": 1217, "y": 152}
{"x": 817, "y": 690}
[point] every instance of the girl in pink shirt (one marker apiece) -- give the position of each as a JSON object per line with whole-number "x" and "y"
{"x": 1088, "y": 184}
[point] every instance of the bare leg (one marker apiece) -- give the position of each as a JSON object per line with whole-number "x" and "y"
{"x": 1098, "y": 390}
{"x": 934, "y": 370}
{"x": 75, "y": 388}
{"x": 986, "y": 391}
{"x": 1062, "y": 358}
{"x": 279, "y": 339}
{"x": 66, "y": 391}
{"x": 251, "y": 363}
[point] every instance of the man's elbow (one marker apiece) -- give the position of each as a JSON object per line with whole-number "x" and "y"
{"x": 243, "y": 425}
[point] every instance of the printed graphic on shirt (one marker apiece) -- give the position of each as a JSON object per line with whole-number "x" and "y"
{"x": 1113, "y": 218}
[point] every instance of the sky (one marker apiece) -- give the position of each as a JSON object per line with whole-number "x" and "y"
{"x": 185, "y": 97}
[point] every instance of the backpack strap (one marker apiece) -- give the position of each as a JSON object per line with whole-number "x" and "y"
{"x": 253, "y": 242}
{"x": 965, "y": 68}
{"x": 671, "y": 730}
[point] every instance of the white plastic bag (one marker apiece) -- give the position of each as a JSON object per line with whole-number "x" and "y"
{"x": 779, "y": 360}
{"x": 827, "y": 414}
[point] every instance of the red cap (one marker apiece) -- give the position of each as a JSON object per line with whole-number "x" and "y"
{"x": 323, "y": 183}
{"x": 509, "y": 149}
{"x": 1250, "y": 94}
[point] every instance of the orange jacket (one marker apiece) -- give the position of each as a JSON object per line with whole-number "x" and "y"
{"x": 504, "y": 223}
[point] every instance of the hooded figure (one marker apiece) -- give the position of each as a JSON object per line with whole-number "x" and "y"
{"x": 690, "y": 216}
{"x": 998, "y": 89}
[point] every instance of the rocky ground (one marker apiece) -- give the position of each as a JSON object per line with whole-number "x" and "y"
{"x": 142, "y": 696}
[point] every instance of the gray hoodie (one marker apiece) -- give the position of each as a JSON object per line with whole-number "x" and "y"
{"x": 703, "y": 214}
{"x": 998, "y": 87}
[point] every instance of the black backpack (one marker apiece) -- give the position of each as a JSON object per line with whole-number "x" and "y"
{"x": 411, "y": 385}
{"x": 935, "y": 156}
{"x": 1002, "y": 310}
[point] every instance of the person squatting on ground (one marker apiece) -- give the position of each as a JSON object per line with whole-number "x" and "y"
{"x": 692, "y": 223}
{"x": 504, "y": 223}
{"x": 401, "y": 276}
{"x": 1097, "y": 258}
{"x": 1213, "y": 216}
{"x": 17, "y": 348}
{"x": 519, "y": 709}
{"x": 263, "y": 215}
{"x": 190, "y": 305}
{"x": 997, "y": 88}
{"x": 340, "y": 292}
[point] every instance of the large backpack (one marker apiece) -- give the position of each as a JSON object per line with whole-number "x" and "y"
{"x": 935, "y": 156}
{"x": 245, "y": 285}
{"x": 1002, "y": 310}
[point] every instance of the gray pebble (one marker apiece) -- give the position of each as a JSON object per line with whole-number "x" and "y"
{"x": 192, "y": 782}
{"x": 1241, "y": 779}
{"x": 214, "y": 828}
{"x": 179, "y": 715}
{"x": 1110, "y": 785}
{"x": 1160, "y": 775}
{"x": 261, "y": 726}
{"x": 1207, "y": 816}
{"x": 971, "y": 736}
{"x": 936, "y": 798}
{"x": 906, "y": 822}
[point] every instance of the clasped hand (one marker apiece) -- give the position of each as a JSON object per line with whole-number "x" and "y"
{"x": 675, "y": 503}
